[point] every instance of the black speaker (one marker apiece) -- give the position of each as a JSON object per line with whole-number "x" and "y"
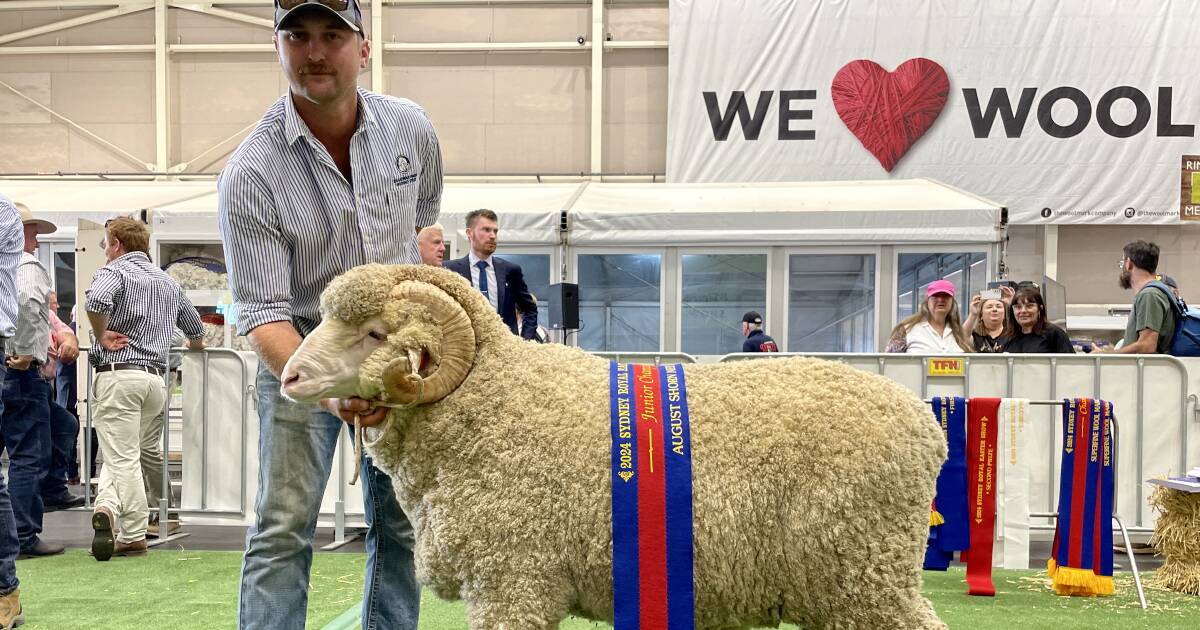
{"x": 564, "y": 306}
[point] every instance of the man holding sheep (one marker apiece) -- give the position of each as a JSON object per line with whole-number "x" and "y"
{"x": 333, "y": 177}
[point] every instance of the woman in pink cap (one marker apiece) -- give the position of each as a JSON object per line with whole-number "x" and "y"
{"x": 936, "y": 328}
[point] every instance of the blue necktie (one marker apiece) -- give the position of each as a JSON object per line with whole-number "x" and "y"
{"x": 483, "y": 285}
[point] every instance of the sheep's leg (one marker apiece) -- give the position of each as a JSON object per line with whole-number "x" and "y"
{"x": 520, "y": 614}
{"x": 864, "y": 571}
{"x": 887, "y": 612}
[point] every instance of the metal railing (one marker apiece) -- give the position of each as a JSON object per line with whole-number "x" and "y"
{"x": 246, "y": 390}
{"x": 887, "y": 364}
{"x": 657, "y": 358}
{"x": 1144, "y": 387}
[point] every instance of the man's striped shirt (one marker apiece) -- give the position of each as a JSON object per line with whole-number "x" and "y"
{"x": 290, "y": 221}
{"x": 33, "y": 310}
{"x": 143, "y": 303}
{"x": 12, "y": 244}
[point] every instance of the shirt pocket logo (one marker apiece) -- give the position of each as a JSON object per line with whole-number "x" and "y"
{"x": 405, "y": 179}
{"x": 402, "y": 163}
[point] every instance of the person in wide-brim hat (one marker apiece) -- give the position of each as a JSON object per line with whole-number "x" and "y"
{"x": 27, "y": 218}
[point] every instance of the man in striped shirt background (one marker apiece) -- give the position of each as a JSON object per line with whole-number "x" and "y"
{"x": 334, "y": 176}
{"x": 134, "y": 308}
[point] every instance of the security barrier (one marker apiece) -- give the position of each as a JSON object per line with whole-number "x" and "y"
{"x": 1152, "y": 396}
{"x": 1149, "y": 394}
{"x": 197, "y": 378}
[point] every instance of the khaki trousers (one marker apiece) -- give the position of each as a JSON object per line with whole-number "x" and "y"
{"x": 152, "y": 455}
{"x": 124, "y": 402}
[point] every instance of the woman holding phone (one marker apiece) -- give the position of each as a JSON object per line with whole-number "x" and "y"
{"x": 989, "y": 319}
{"x": 1032, "y": 332}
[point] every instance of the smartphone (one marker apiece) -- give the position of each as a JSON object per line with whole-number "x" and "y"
{"x": 990, "y": 294}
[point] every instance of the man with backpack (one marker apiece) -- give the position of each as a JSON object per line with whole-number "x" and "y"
{"x": 1155, "y": 313}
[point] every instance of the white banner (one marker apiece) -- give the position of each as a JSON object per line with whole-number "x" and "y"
{"x": 1076, "y": 111}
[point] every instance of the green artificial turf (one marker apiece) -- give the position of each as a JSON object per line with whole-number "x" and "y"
{"x": 179, "y": 590}
{"x": 185, "y": 590}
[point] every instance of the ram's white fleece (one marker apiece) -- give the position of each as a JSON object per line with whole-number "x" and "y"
{"x": 812, "y": 482}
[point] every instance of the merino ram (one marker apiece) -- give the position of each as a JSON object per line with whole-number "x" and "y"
{"x": 812, "y": 481}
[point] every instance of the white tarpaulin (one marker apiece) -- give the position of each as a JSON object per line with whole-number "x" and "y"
{"x": 529, "y": 213}
{"x": 1075, "y": 111}
{"x": 880, "y": 211}
{"x": 907, "y": 211}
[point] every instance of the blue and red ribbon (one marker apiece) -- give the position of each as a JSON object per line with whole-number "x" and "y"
{"x": 1081, "y": 559}
{"x": 653, "y": 586}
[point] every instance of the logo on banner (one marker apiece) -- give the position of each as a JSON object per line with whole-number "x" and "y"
{"x": 889, "y": 111}
{"x": 1189, "y": 189}
{"x": 946, "y": 367}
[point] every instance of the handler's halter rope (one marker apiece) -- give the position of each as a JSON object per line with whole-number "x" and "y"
{"x": 358, "y": 429}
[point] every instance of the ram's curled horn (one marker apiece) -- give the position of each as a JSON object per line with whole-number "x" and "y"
{"x": 401, "y": 380}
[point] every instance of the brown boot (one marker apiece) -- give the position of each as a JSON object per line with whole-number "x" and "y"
{"x": 135, "y": 548}
{"x": 153, "y": 530}
{"x": 11, "y": 614}
{"x": 103, "y": 542}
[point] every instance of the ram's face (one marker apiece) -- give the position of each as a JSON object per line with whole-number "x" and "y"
{"x": 416, "y": 349}
{"x": 327, "y": 364}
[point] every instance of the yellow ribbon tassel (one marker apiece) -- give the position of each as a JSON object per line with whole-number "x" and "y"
{"x": 935, "y": 519}
{"x": 1078, "y": 582}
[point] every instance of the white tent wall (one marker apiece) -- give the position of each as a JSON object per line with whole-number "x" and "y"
{"x": 904, "y": 211}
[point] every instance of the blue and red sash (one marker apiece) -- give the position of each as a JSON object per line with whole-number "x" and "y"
{"x": 651, "y": 498}
{"x": 948, "y": 531}
{"x": 1081, "y": 562}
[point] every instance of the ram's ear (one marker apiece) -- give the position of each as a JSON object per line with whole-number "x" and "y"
{"x": 403, "y": 378}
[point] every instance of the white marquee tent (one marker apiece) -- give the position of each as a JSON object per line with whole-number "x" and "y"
{"x": 902, "y": 211}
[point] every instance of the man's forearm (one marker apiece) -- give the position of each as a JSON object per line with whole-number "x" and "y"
{"x": 275, "y": 343}
{"x": 1137, "y": 347}
{"x": 99, "y": 322}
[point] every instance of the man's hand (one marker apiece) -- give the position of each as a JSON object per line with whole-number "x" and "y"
{"x": 113, "y": 341}
{"x": 347, "y": 408}
{"x": 19, "y": 362}
{"x": 68, "y": 349}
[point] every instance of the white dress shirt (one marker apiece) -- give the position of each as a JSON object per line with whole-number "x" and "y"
{"x": 923, "y": 339}
{"x": 491, "y": 276}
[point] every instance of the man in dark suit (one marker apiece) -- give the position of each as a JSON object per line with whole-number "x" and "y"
{"x": 500, "y": 281}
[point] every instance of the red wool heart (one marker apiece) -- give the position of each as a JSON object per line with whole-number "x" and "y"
{"x": 889, "y": 111}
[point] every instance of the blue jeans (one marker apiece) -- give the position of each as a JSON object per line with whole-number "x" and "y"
{"x": 26, "y": 432}
{"x": 64, "y": 428}
{"x": 8, "y": 526}
{"x": 296, "y": 443}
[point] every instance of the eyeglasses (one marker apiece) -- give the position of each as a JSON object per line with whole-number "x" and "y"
{"x": 336, "y": 5}
{"x": 1121, "y": 265}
